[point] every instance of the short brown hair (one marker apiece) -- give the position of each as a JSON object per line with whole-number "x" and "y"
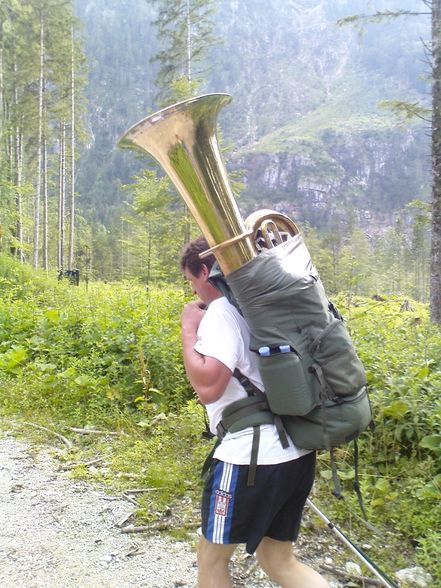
{"x": 190, "y": 256}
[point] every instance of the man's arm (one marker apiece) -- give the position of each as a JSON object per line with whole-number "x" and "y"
{"x": 208, "y": 376}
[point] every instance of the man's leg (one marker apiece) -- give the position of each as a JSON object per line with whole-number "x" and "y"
{"x": 213, "y": 564}
{"x": 277, "y": 559}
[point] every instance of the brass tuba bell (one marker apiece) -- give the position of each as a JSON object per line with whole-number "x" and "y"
{"x": 182, "y": 138}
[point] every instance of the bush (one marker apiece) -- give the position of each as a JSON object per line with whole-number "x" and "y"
{"x": 106, "y": 345}
{"x": 110, "y": 356}
{"x": 401, "y": 459}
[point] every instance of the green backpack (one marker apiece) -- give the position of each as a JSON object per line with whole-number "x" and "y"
{"x": 314, "y": 381}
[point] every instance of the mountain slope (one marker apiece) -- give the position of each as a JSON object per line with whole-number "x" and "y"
{"x": 305, "y": 117}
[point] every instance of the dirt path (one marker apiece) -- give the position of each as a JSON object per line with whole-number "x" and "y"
{"x": 56, "y": 532}
{"x": 59, "y": 533}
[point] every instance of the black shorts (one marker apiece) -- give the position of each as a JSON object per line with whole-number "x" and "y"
{"x": 233, "y": 512}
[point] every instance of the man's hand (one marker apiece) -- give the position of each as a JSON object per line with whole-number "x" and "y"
{"x": 192, "y": 315}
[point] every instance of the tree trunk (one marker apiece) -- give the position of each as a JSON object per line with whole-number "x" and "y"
{"x": 1, "y": 76}
{"x": 72, "y": 155}
{"x": 435, "y": 271}
{"x": 37, "y": 198}
{"x": 124, "y": 250}
{"x": 61, "y": 197}
{"x": 18, "y": 175}
{"x": 189, "y": 43}
{"x": 18, "y": 198}
{"x": 45, "y": 209}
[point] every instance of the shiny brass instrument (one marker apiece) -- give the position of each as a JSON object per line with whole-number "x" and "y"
{"x": 182, "y": 138}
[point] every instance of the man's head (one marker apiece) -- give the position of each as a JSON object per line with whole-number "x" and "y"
{"x": 197, "y": 270}
{"x": 190, "y": 256}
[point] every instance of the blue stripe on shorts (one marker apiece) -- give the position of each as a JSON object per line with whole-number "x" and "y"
{"x": 222, "y": 502}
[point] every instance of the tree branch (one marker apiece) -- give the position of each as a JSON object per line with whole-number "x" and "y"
{"x": 408, "y": 110}
{"x": 346, "y": 576}
{"x": 378, "y": 16}
{"x": 65, "y": 441}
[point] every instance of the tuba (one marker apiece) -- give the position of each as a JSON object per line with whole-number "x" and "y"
{"x": 182, "y": 138}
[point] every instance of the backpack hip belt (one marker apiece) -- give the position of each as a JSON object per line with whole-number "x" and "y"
{"x": 251, "y": 411}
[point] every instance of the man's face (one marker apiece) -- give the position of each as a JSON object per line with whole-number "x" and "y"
{"x": 199, "y": 284}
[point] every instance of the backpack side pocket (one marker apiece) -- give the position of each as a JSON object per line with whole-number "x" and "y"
{"x": 286, "y": 385}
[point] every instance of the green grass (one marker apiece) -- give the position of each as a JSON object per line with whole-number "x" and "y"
{"x": 109, "y": 358}
{"x": 351, "y": 109}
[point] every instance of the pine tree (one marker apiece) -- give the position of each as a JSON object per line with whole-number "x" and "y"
{"x": 185, "y": 33}
{"x": 435, "y": 269}
{"x": 40, "y": 83}
{"x": 154, "y": 229}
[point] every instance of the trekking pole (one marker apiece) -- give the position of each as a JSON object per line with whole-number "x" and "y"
{"x": 384, "y": 579}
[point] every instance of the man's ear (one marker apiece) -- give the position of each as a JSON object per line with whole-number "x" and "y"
{"x": 205, "y": 272}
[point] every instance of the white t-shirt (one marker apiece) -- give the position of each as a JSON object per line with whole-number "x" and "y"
{"x": 224, "y": 335}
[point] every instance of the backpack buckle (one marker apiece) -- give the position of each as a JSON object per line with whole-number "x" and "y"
{"x": 221, "y": 430}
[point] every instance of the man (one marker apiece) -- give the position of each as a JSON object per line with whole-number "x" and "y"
{"x": 265, "y": 515}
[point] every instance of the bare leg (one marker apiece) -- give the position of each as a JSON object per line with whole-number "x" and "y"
{"x": 213, "y": 564}
{"x": 277, "y": 559}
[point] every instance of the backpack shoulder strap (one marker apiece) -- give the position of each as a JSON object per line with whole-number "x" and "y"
{"x": 251, "y": 411}
{"x": 251, "y": 389}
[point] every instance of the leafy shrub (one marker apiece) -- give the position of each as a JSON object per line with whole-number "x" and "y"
{"x": 125, "y": 338}
{"x": 401, "y": 459}
{"x": 110, "y": 356}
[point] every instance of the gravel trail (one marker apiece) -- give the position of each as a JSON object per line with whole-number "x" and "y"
{"x": 59, "y": 533}
{"x": 56, "y": 532}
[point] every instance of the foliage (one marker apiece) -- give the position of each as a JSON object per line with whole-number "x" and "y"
{"x": 410, "y": 110}
{"x": 89, "y": 351}
{"x": 350, "y": 108}
{"x": 401, "y": 460}
{"x": 185, "y": 33}
{"x": 407, "y": 110}
{"x": 377, "y": 17}
{"x": 394, "y": 262}
{"x": 109, "y": 357}
{"x": 153, "y": 452}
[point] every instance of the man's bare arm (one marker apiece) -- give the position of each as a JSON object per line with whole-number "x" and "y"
{"x": 208, "y": 376}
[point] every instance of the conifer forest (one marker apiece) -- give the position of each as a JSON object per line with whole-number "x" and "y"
{"x": 335, "y": 122}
